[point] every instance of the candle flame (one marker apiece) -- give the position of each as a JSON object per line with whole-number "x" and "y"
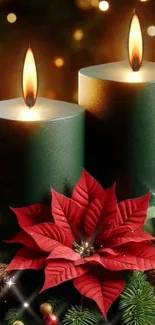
{"x": 135, "y": 43}
{"x": 29, "y": 79}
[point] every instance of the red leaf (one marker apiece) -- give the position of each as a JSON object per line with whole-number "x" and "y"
{"x": 67, "y": 213}
{"x": 86, "y": 190}
{"x": 60, "y": 271}
{"x": 92, "y": 260}
{"x": 32, "y": 215}
{"x": 103, "y": 291}
{"x": 139, "y": 256}
{"x": 102, "y": 214}
{"x": 135, "y": 211}
{"x": 63, "y": 252}
{"x": 25, "y": 259}
{"x": 23, "y": 238}
{"x": 92, "y": 218}
{"x": 113, "y": 261}
{"x": 144, "y": 253}
{"x": 47, "y": 235}
{"x": 126, "y": 234}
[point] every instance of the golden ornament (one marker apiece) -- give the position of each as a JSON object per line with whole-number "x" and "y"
{"x": 18, "y": 322}
{"x": 45, "y": 308}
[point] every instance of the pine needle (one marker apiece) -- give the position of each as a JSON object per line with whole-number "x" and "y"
{"x": 59, "y": 304}
{"x": 13, "y": 315}
{"x": 81, "y": 316}
{"x": 137, "y": 303}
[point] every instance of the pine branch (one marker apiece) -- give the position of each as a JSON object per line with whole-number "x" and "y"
{"x": 59, "y": 304}
{"x": 81, "y": 316}
{"x": 13, "y": 315}
{"x": 137, "y": 303}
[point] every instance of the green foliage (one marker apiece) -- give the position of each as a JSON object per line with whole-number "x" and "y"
{"x": 13, "y": 315}
{"x": 59, "y": 304}
{"x": 81, "y": 316}
{"x": 137, "y": 303}
{"x": 151, "y": 213}
{"x": 150, "y": 222}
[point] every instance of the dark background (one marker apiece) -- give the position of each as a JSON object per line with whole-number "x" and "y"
{"x": 48, "y": 25}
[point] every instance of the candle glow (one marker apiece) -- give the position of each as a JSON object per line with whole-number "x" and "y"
{"x": 29, "y": 79}
{"x": 151, "y": 31}
{"x": 103, "y": 5}
{"x": 11, "y": 18}
{"x": 135, "y": 44}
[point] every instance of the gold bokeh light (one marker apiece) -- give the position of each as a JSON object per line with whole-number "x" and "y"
{"x": 59, "y": 62}
{"x": 11, "y": 18}
{"x": 78, "y": 34}
{"x": 104, "y": 5}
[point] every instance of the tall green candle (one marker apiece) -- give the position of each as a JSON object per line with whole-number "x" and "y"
{"x": 120, "y": 130}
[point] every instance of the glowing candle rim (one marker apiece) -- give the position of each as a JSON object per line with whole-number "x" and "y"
{"x": 115, "y": 72}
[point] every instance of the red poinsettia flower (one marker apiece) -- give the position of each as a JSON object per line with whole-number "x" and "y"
{"x": 91, "y": 241}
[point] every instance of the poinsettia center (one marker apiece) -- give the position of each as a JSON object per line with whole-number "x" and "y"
{"x": 84, "y": 248}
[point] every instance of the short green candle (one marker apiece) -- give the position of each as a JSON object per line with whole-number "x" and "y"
{"x": 40, "y": 147}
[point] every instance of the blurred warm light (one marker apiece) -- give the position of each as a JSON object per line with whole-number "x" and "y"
{"x": 29, "y": 79}
{"x": 26, "y": 305}
{"x": 84, "y": 4}
{"x": 151, "y": 31}
{"x": 59, "y": 62}
{"x": 11, "y": 18}
{"x": 75, "y": 96}
{"x": 78, "y": 34}
{"x": 104, "y": 5}
{"x": 50, "y": 94}
{"x": 95, "y": 3}
{"x": 135, "y": 43}
{"x": 143, "y": 0}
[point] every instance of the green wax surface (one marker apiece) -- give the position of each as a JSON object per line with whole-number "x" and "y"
{"x": 120, "y": 133}
{"x": 38, "y": 155}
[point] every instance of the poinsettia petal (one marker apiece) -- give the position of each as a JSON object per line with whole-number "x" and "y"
{"x": 111, "y": 217}
{"x": 102, "y": 214}
{"x": 86, "y": 190}
{"x": 25, "y": 259}
{"x": 135, "y": 210}
{"x": 92, "y": 218}
{"x": 126, "y": 234}
{"x": 33, "y": 214}
{"x": 103, "y": 290}
{"x": 63, "y": 252}
{"x": 111, "y": 260}
{"x": 60, "y": 271}
{"x": 47, "y": 235}
{"x": 130, "y": 257}
{"x": 23, "y": 238}
{"x": 143, "y": 252}
{"x": 67, "y": 213}
{"x": 94, "y": 259}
